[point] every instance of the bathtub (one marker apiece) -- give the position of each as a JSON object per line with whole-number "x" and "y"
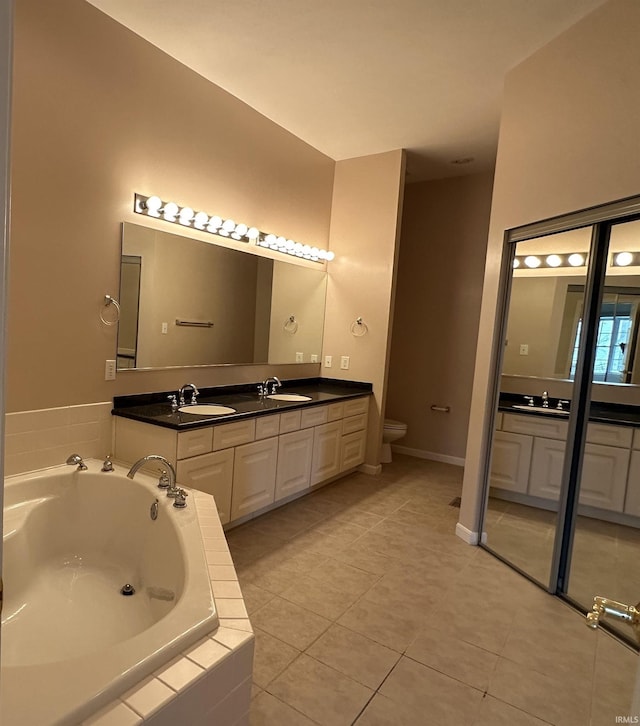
{"x": 71, "y": 641}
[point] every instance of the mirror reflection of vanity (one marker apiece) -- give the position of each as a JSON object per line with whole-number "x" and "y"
{"x": 187, "y": 302}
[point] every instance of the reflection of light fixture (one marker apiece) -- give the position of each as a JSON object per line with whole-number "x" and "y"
{"x": 623, "y": 259}
{"x": 153, "y": 206}
{"x": 516, "y": 263}
{"x": 532, "y": 261}
{"x": 554, "y": 260}
{"x": 576, "y": 260}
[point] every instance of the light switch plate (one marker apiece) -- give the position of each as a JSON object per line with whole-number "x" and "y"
{"x": 109, "y": 370}
{"x": 344, "y": 363}
{"x": 314, "y": 357}
{"x": 299, "y": 357}
{"x": 328, "y": 360}
{"x": 524, "y": 349}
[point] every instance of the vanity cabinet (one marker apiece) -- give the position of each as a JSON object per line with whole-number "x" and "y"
{"x": 250, "y": 464}
{"x": 608, "y": 481}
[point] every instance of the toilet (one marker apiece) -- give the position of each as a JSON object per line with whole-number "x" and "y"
{"x": 392, "y": 431}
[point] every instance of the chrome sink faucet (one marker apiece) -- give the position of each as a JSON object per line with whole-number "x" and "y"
{"x": 263, "y": 388}
{"x": 194, "y": 393}
{"x": 167, "y": 480}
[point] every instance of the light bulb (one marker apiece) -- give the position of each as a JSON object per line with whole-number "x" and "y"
{"x": 237, "y": 236}
{"x": 281, "y": 241}
{"x": 170, "y": 210}
{"x": 223, "y": 232}
{"x": 516, "y": 263}
{"x": 330, "y": 256}
{"x": 153, "y": 205}
{"x": 623, "y": 259}
{"x": 576, "y": 260}
{"x": 290, "y": 244}
{"x": 200, "y": 220}
{"x": 297, "y": 247}
{"x": 554, "y": 261}
{"x": 270, "y": 239}
{"x": 306, "y": 249}
{"x": 228, "y": 225}
{"x": 253, "y": 233}
{"x": 214, "y": 223}
{"x": 185, "y": 216}
{"x": 314, "y": 251}
{"x": 241, "y": 230}
{"x": 322, "y": 254}
{"x": 532, "y": 261}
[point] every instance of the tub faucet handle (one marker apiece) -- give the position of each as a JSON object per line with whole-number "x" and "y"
{"x": 76, "y": 459}
{"x": 107, "y": 464}
{"x": 180, "y": 498}
{"x": 164, "y": 482}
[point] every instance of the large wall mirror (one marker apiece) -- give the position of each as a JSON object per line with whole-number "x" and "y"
{"x": 187, "y": 302}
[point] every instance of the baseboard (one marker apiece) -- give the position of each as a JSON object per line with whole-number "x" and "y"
{"x": 431, "y": 455}
{"x": 466, "y": 535}
{"x": 371, "y": 469}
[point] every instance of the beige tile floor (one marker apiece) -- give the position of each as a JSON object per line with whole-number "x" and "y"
{"x": 369, "y": 610}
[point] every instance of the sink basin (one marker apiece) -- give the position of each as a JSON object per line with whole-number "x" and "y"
{"x": 540, "y": 409}
{"x": 206, "y": 409}
{"x": 288, "y": 397}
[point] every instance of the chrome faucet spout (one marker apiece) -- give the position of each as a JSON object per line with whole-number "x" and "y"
{"x": 194, "y": 393}
{"x": 166, "y": 466}
{"x": 76, "y": 459}
{"x": 263, "y": 389}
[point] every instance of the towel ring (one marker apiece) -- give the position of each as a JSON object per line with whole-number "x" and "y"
{"x": 108, "y": 300}
{"x": 290, "y": 325}
{"x": 359, "y": 328}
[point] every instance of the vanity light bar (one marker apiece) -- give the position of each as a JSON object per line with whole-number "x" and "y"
{"x": 185, "y": 216}
{"x": 625, "y": 259}
{"x": 553, "y": 261}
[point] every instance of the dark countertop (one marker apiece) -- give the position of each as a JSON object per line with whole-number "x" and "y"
{"x": 599, "y": 412}
{"x": 154, "y": 408}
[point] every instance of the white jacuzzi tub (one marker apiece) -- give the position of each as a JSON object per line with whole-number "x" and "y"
{"x": 71, "y": 641}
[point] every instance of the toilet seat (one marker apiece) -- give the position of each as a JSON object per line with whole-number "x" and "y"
{"x": 389, "y": 423}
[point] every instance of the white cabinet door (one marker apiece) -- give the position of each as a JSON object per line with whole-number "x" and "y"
{"x": 632, "y": 501}
{"x": 510, "y": 461}
{"x": 352, "y": 450}
{"x": 604, "y": 477}
{"x": 213, "y": 474}
{"x": 326, "y": 451}
{"x": 547, "y": 461}
{"x": 295, "y": 452}
{"x": 254, "y": 477}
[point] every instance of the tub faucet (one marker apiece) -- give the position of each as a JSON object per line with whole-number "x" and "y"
{"x": 170, "y": 472}
{"x": 194, "y": 393}
{"x": 263, "y": 388}
{"x": 76, "y": 459}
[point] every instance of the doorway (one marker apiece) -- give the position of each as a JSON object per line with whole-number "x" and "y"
{"x": 563, "y": 476}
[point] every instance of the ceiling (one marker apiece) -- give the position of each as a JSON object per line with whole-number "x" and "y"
{"x": 359, "y": 77}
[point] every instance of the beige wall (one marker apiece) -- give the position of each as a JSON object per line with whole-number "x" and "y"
{"x": 568, "y": 140}
{"x": 300, "y": 292}
{"x": 99, "y": 114}
{"x": 442, "y": 250}
{"x": 366, "y": 211}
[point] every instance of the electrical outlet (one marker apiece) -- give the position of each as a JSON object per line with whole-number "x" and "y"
{"x": 165, "y": 328}
{"x": 299, "y": 357}
{"x": 314, "y": 357}
{"x": 109, "y": 370}
{"x": 524, "y": 349}
{"x": 328, "y": 361}
{"x": 344, "y": 363}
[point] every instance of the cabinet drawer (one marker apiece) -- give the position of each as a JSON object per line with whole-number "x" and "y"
{"x": 608, "y": 435}
{"x": 233, "y": 434}
{"x": 267, "y": 426}
{"x": 335, "y": 412}
{"x": 356, "y": 406}
{"x": 535, "y": 426}
{"x": 289, "y": 421}
{"x": 193, "y": 443}
{"x": 354, "y": 423}
{"x": 313, "y": 416}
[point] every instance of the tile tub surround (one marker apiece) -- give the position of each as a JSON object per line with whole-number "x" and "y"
{"x": 393, "y": 639}
{"x": 210, "y": 682}
{"x": 45, "y": 437}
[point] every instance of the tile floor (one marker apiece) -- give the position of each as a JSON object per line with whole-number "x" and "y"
{"x": 368, "y": 610}
{"x": 605, "y": 554}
